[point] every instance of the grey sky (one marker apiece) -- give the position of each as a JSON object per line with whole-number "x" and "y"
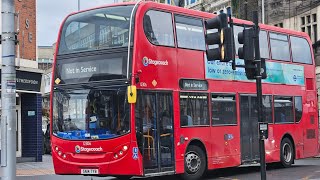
{"x": 50, "y": 14}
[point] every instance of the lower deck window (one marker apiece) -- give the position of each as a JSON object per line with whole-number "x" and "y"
{"x": 194, "y": 109}
{"x": 283, "y": 109}
{"x": 224, "y": 109}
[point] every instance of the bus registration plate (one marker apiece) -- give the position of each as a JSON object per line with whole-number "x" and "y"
{"x": 89, "y": 171}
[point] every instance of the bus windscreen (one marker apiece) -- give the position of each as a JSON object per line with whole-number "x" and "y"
{"x": 90, "y": 113}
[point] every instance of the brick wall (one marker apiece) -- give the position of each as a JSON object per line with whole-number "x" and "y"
{"x": 31, "y": 126}
{"x": 27, "y": 35}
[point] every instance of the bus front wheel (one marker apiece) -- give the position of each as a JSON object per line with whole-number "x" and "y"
{"x": 286, "y": 152}
{"x": 194, "y": 163}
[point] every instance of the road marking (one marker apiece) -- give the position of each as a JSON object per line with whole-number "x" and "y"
{"x": 228, "y": 178}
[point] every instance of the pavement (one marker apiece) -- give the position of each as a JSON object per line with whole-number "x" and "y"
{"x": 36, "y": 168}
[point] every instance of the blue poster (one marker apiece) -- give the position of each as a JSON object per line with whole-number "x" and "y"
{"x": 281, "y": 73}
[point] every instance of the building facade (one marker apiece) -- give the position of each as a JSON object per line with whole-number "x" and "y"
{"x": 45, "y": 57}
{"x": 28, "y": 93}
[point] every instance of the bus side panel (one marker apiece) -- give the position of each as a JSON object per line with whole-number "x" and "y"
{"x": 310, "y": 124}
{"x": 180, "y": 146}
{"x": 272, "y": 149}
{"x": 225, "y": 145}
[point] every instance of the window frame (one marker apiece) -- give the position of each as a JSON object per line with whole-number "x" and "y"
{"x": 310, "y": 49}
{"x": 268, "y": 43}
{"x": 292, "y": 109}
{"x": 289, "y": 46}
{"x": 208, "y": 109}
{"x": 172, "y": 23}
{"x": 176, "y": 34}
{"x": 236, "y": 105}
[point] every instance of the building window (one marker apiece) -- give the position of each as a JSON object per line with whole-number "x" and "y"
{"x": 314, "y": 17}
{"x": 308, "y": 19}
{"x": 315, "y": 30}
{"x": 303, "y": 29}
{"x": 303, "y": 22}
{"x": 309, "y": 30}
{"x": 281, "y": 25}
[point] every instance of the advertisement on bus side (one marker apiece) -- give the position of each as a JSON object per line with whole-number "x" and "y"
{"x": 281, "y": 73}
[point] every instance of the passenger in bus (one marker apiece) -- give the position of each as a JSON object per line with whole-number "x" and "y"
{"x": 283, "y": 115}
{"x": 92, "y": 118}
{"x": 185, "y": 119}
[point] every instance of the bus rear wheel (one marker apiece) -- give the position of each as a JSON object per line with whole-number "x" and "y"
{"x": 194, "y": 163}
{"x": 286, "y": 153}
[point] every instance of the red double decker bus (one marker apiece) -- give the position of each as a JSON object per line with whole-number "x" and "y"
{"x": 190, "y": 114}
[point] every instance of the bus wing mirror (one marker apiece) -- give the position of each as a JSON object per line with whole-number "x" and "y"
{"x": 132, "y": 94}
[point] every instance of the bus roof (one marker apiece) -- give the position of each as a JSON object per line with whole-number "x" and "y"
{"x": 197, "y": 13}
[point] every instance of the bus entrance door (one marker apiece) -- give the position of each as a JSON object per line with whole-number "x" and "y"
{"x": 154, "y": 110}
{"x": 249, "y": 129}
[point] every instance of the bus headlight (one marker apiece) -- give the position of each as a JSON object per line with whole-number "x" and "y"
{"x": 116, "y": 156}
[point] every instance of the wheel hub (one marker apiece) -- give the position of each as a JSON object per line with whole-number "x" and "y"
{"x": 287, "y": 152}
{"x": 193, "y": 162}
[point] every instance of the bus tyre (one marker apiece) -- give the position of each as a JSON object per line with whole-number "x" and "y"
{"x": 286, "y": 153}
{"x": 194, "y": 163}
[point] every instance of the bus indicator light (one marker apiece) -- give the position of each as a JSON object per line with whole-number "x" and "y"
{"x": 57, "y": 81}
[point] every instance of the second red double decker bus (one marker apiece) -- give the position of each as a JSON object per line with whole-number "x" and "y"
{"x": 191, "y": 114}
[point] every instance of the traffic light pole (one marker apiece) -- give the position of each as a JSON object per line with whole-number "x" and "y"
{"x": 259, "y": 98}
{"x": 8, "y": 92}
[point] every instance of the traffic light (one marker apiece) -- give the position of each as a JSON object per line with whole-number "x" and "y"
{"x": 246, "y": 37}
{"x": 223, "y": 38}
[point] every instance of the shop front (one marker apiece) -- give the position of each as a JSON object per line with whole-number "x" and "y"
{"x": 29, "y": 116}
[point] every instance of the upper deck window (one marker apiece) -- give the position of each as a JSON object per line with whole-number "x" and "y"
{"x": 263, "y": 42}
{"x": 96, "y": 29}
{"x": 190, "y": 33}
{"x": 300, "y": 50}
{"x": 279, "y": 47}
{"x": 158, "y": 28}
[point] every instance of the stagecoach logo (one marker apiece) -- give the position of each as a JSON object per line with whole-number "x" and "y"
{"x": 147, "y": 61}
{"x": 79, "y": 149}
